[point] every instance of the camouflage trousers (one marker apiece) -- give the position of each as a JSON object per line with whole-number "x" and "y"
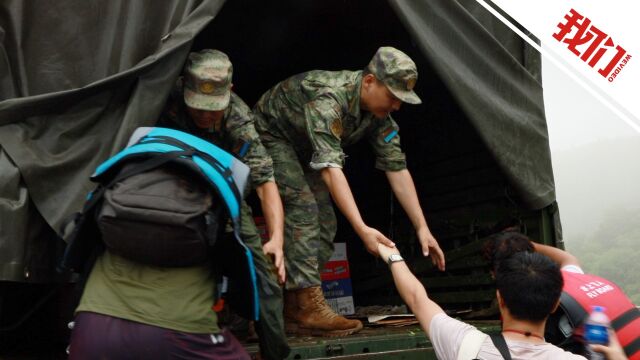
{"x": 270, "y": 327}
{"x": 310, "y": 223}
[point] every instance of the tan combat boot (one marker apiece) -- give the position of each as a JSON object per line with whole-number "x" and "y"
{"x": 316, "y": 318}
{"x": 290, "y": 312}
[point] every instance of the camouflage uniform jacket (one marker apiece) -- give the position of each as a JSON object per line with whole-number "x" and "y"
{"x": 235, "y": 133}
{"x": 318, "y": 113}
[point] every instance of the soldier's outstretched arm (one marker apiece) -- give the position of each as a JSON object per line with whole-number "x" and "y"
{"x": 273, "y": 212}
{"x": 342, "y": 196}
{"x": 405, "y": 191}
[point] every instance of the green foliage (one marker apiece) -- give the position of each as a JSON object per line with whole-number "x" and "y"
{"x": 613, "y": 250}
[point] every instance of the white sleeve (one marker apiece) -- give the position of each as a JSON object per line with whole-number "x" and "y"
{"x": 446, "y": 334}
{"x": 573, "y": 268}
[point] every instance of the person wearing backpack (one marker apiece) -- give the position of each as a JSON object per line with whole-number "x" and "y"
{"x": 133, "y": 309}
{"x": 528, "y": 290}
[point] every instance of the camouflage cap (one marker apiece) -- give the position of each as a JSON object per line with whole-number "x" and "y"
{"x": 397, "y": 71}
{"x": 207, "y": 80}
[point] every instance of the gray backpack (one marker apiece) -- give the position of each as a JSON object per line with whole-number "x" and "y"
{"x": 163, "y": 217}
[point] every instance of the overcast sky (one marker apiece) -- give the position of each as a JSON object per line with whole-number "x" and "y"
{"x": 574, "y": 116}
{"x": 594, "y": 153}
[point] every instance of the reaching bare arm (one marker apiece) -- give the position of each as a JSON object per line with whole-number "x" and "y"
{"x": 561, "y": 257}
{"x": 411, "y": 290}
{"x": 342, "y": 196}
{"x": 405, "y": 191}
{"x": 274, "y": 217}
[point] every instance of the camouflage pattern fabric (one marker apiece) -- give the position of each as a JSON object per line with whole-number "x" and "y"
{"x": 304, "y": 122}
{"x": 207, "y": 77}
{"x": 318, "y": 113}
{"x": 236, "y": 134}
{"x": 310, "y": 223}
{"x": 397, "y": 71}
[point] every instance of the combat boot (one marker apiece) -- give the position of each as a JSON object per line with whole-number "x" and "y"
{"x": 290, "y": 312}
{"x": 316, "y": 318}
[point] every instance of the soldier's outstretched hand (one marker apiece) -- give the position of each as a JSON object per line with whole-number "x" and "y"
{"x": 431, "y": 248}
{"x": 372, "y": 237}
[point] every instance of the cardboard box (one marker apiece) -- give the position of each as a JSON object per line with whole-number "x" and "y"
{"x": 336, "y": 278}
{"x": 336, "y": 281}
{"x": 335, "y": 270}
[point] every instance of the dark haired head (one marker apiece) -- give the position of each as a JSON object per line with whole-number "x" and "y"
{"x": 504, "y": 244}
{"x": 530, "y": 285}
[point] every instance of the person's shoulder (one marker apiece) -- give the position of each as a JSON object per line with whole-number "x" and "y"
{"x": 559, "y": 353}
{"x": 450, "y": 336}
{"x": 525, "y": 350}
{"x": 238, "y": 105}
{"x": 330, "y": 77}
{"x": 442, "y": 322}
{"x": 324, "y": 81}
{"x": 239, "y": 112}
{"x": 572, "y": 269}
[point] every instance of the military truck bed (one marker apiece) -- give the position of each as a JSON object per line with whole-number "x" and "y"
{"x": 406, "y": 343}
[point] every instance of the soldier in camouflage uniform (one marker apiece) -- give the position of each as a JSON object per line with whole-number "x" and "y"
{"x": 304, "y": 122}
{"x": 204, "y": 105}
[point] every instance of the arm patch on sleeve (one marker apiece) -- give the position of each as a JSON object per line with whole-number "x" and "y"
{"x": 389, "y": 133}
{"x": 241, "y": 148}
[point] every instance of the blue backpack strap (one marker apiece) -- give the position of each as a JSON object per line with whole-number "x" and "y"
{"x": 227, "y": 175}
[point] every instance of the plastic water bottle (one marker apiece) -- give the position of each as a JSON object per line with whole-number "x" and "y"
{"x": 596, "y": 331}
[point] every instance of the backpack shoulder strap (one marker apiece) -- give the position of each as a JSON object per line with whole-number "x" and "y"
{"x": 471, "y": 344}
{"x": 501, "y": 345}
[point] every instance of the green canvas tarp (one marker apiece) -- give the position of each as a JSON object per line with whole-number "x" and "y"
{"x": 77, "y": 77}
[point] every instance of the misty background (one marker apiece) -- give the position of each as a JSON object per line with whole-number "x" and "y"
{"x": 596, "y": 167}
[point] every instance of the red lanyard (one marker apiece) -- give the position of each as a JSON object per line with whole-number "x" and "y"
{"x": 525, "y": 333}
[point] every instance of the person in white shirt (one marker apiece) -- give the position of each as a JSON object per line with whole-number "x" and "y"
{"x": 579, "y": 294}
{"x": 528, "y": 290}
